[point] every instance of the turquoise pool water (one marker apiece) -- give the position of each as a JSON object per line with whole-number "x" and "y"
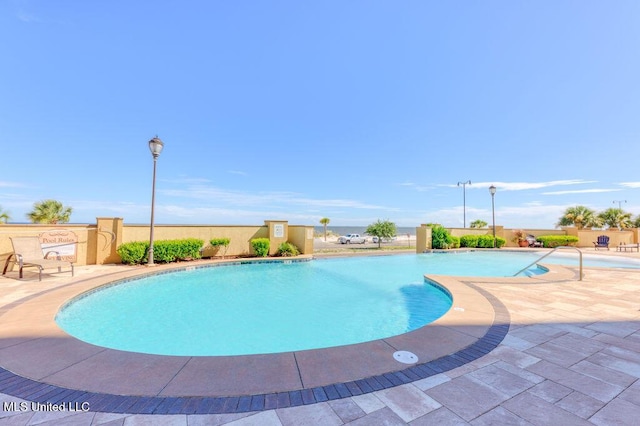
{"x": 276, "y": 307}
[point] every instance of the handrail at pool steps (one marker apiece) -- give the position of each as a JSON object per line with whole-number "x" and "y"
{"x": 550, "y": 253}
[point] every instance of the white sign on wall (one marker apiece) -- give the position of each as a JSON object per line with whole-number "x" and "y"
{"x": 278, "y": 230}
{"x": 63, "y": 242}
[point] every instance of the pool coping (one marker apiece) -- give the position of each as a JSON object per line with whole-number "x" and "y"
{"x": 124, "y": 382}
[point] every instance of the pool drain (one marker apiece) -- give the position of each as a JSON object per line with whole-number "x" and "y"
{"x": 405, "y": 357}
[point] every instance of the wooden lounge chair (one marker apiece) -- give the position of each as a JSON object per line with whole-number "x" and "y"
{"x": 602, "y": 242}
{"x": 624, "y": 247}
{"x": 27, "y": 252}
{"x": 533, "y": 242}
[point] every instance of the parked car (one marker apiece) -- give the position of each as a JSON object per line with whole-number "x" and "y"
{"x": 384, "y": 240}
{"x": 352, "y": 239}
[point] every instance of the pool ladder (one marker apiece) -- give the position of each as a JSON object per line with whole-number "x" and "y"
{"x": 550, "y": 253}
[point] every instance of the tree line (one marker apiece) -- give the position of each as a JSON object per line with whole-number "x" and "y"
{"x": 584, "y": 217}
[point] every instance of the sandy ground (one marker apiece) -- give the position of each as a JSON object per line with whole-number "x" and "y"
{"x": 319, "y": 243}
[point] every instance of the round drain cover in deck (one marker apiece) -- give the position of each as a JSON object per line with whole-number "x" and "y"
{"x": 405, "y": 357}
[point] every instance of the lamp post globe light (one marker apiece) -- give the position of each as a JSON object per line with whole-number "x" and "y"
{"x": 155, "y": 146}
{"x": 492, "y": 190}
{"x": 464, "y": 201}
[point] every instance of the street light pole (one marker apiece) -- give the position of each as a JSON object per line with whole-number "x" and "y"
{"x": 492, "y": 190}
{"x": 155, "y": 146}
{"x": 619, "y": 203}
{"x": 464, "y": 202}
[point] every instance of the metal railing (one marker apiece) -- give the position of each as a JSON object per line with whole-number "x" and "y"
{"x": 550, "y": 253}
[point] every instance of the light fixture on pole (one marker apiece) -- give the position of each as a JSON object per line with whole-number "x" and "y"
{"x": 155, "y": 146}
{"x": 619, "y": 203}
{"x": 464, "y": 202}
{"x": 492, "y": 190}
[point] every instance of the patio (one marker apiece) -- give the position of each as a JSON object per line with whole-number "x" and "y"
{"x": 571, "y": 355}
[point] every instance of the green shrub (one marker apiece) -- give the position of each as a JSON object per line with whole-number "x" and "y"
{"x": 172, "y": 250}
{"x": 217, "y": 242}
{"x": 486, "y": 241}
{"x": 220, "y": 243}
{"x": 260, "y": 246}
{"x": 440, "y": 237}
{"x": 551, "y": 241}
{"x": 136, "y": 252}
{"x": 287, "y": 250}
{"x": 133, "y": 253}
{"x": 454, "y": 242}
{"x": 469, "y": 241}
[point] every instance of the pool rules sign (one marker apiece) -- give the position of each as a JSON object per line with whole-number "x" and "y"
{"x": 62, "y": 241}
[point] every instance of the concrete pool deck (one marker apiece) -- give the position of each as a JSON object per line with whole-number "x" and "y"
{"x": 572, "y": 352}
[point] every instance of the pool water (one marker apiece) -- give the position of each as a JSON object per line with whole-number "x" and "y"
{"x": 257, "y": 308}
{"x": 282, "y": 307}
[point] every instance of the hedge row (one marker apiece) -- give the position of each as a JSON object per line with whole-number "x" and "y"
{"x": 481, "y": 241}
{"x": 164, "y": 251}
{"x": 552, "y": 241}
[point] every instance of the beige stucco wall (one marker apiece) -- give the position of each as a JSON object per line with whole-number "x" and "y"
{"x": 98, "y": 243}
{"x": 239, "y": 236}
{"x": 588, "y": 237}
{"x": 85, "y": 248}
{"x": 302, "y": 237}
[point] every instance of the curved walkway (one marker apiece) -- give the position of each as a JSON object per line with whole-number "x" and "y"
{"x": 417, "y": 393}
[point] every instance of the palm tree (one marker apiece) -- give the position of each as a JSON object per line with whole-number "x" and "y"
{"x": 325, "y": 221}
{"x": 616, "y": 218}
{"x": 49, "y": 211}
{"x": 580, "y": 217}
{"x": 4, "y": 216}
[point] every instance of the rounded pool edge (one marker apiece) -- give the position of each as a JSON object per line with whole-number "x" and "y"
{"x": 320, "y": 378}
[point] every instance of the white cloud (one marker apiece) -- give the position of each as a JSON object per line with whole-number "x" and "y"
{"x": 630, "y": 184}
{"x": 230, "y": 215}
{"x": 580, "y": 191}
{"x": 419, "y": 188}
{"x": 27, "y": 17}
{"x": 187, "y": 180}
{"x": 264, "y": 199}
{"x": 5, "y": 184}
{"x": 522, "y": 186}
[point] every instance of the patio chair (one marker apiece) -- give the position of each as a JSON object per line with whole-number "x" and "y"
{"x": 602, "y": 242}
{"x": 27, "y": 252}
{"x": 533, "y": 242}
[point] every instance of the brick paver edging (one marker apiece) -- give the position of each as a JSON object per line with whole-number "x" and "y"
{"x": 77, "y": 400}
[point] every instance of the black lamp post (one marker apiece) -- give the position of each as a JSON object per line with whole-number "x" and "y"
{"x": 492, "y": 190}
{"x": 464, "y": 202}
{"x": 155, "y": 146}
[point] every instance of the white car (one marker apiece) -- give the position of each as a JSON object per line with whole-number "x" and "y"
{"x": 352, "y": 239}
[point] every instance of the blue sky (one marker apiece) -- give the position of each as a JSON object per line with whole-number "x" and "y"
{"x": 352, "y": 110}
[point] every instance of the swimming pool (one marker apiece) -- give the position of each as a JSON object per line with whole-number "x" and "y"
{"x": 281, "y": 307}
{"x": 258, "y": 308}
